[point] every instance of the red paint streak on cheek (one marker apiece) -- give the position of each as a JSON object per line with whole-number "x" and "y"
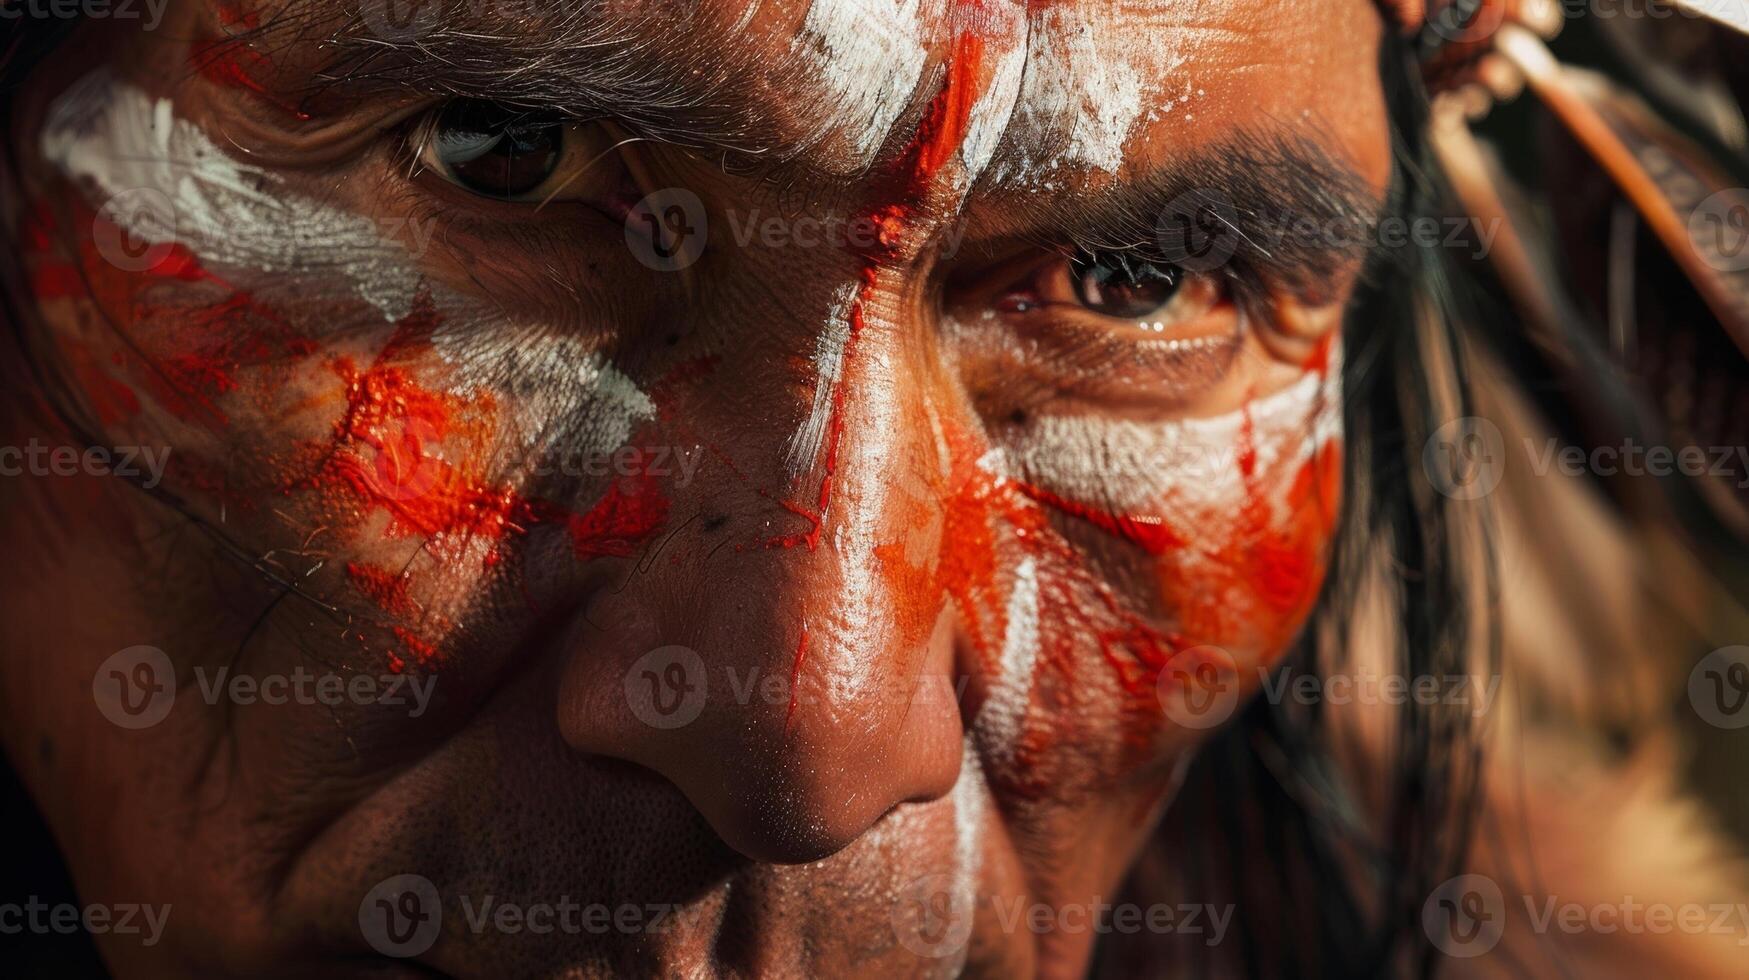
{"x": 390, "y": 454}
{"x": 388, "y": 589}
{"x": 1246, "y": 586}
{"x": 621, "y": 522}
{"x": 192, "y": 331}
{"x": 1263, "y": 572}
{"x": 391, "y": 436}
{"x": 1148, "y": 533}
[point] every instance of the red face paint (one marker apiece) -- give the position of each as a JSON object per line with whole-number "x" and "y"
{"x": 214, "y": 327}
{"x": 234, "y": 61}
{"x": 393, "y": 442}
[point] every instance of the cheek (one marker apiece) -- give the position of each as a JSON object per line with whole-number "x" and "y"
{"x": 395, "y": 450}
{"x": 316, "y": 389}
{"x": 1130, "y": 558}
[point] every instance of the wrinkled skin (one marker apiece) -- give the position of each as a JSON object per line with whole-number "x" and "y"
{"x": 793, "y": 825}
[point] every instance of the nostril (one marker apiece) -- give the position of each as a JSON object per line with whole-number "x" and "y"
{"x": 715, "y": 522}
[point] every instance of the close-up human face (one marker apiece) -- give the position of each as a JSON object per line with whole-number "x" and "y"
{"x": 688, "y": 488}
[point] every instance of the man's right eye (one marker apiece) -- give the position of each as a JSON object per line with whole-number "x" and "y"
{"x": 500, "y": 151}
{"x": 1117, "y": 284}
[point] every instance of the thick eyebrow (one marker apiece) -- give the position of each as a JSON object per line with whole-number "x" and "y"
{"x": 660, "y": 70}
{"x": 1288, "y": 209}
{"x": 1281, "y": 206}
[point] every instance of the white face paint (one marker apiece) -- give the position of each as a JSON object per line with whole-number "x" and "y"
{"x": 1081, "y": 96}
{"x": 868, "y": 57}
{"x": 233, "y": 217}
{"x": 859, "y": 609}
{"x": 562, "y": 396}
{"x": 990, "y": 115}
{"x": 968, "y": 818}
{"x": 1189, "y": 465}
{"x": 805, "y": 445}
{"x": 118, "y": 140}
{"x": 1002, "y": 719}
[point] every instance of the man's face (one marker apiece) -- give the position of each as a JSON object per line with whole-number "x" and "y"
{"x": 807, "y": 473}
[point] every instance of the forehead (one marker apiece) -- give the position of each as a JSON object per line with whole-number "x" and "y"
{"x": 1058, "y": 91}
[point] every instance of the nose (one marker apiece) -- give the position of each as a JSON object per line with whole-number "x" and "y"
{"x": 787, "y": 661}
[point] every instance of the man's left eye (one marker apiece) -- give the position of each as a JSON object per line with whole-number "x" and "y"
{"x": 495, "y": 150}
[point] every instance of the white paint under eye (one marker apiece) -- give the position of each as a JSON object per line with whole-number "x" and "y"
{"x": 1193, "y": 464}
{"x": 1002, "y": 719}
{"x": 117, "y": 139}
{"x": 869, "y": 56}
{"x": 810, "y": 438}
{"x": 557, "y": 394}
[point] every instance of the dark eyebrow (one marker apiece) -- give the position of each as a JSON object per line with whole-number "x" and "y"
{"x": 658, "y": 70}
{"x": 1280, "y": 206}
{"x": 1291, "y": 211}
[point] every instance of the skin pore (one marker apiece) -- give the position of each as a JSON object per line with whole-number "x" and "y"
{"x": 947, "y": 526}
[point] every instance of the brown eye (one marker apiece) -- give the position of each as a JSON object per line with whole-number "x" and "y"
{"x": 1117, "y": 284}
{"x": 495, "y": 150}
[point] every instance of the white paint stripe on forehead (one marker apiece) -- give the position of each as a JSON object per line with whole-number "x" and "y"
{"x": 1190, "y": 463}
{"x": 869, "y": 56}
{"x": 990, "y": 114}
{"x": 1081, "y": 97}
{"x": 1106, "y": 93}
{"x": 810, "y": 438}
{"x": 118, "y": 139}
{"x": 558, "y": 395}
